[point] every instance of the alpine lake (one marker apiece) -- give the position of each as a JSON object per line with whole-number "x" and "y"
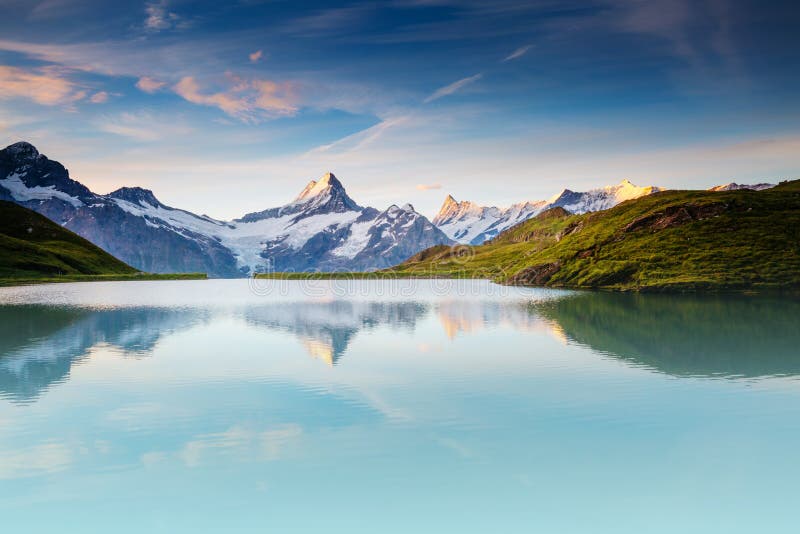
{"x": 395, "y": 406}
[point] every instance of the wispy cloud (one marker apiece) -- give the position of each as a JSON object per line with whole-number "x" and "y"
{"x": 141, "y": 126}
{"x": 45, "y": 85}
{"x": 362, "y": 139}
{"x": 428, "y": 187}
{"x": 711, "y": 53}
{"x": 329, "y": 21}
{"x": 101, "y": 97}
{"x": 159, "y": 17}
{"x": 255, "y": 57}
{"x": 453, "y": 87}
{"x": 149, "y": 85}
{"x": 519, "y": 52}
{"x": 51, "y": 9}
{"x": 247, "y": 100}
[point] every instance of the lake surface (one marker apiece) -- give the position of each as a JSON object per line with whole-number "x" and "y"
{"x": 395, "y": 406}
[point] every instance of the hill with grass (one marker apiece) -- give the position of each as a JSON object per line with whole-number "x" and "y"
{"x": 671, "y": 240}
{"x": 32, "y": 246}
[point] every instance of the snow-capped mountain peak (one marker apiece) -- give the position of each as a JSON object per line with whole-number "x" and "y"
{"x": 326, "y": 195}
{"x": 320, "y": 187}
{"x": 564, "y": 194}
{"x": 452, "y": 210}
{"x": 601, "y": 198}
{"x": 468, "y": 222}
{"x": 136, "y": 195}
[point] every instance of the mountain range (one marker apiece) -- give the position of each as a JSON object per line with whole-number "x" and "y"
{"x": 322, "y": 229}
{"x": 470, "y": 223}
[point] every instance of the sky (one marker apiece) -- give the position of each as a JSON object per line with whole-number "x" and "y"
{"x": 225, "y": 108}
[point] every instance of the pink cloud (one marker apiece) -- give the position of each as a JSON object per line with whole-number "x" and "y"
{"x": 46, "y": 85}
{"x": 149, "y": 85}
{"x": 247, "y": 100}
{"x": 256, "y": 56}
{"x": 428, "y": 187}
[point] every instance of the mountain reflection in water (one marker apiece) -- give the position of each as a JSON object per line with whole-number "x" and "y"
{"x": 680, "y": 335}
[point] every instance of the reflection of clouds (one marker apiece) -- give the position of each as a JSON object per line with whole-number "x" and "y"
{"x": 152, "y": 459}
{"x": 461, "y": 450}
{"x": 424, "y": 348}
{"x": 37, "y": 460}
{"x": 241, "y": 443}
{"x": 134, "y": 413}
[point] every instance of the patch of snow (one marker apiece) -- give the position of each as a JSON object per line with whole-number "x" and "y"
{"x": 467, "y": 222}
{"x": 607, "y": 197}
{"x": 23, "y": 193}
{"x": 245, "y": 239}
{"x": 733, "y": 186}
{"x": 355, "y": 242}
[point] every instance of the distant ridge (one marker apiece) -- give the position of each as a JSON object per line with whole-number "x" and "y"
{"x": 470, "y": 223}
{"x": 733, "y": 186}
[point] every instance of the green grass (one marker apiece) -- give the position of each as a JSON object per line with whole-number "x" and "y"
{"x": 674, "y": 240}
{"x": 33, "y": 249}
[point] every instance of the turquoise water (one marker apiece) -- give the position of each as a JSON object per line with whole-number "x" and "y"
{"x": 395, "y": 406}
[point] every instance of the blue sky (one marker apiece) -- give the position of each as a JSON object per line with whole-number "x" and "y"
{"x": 229, "y": 107}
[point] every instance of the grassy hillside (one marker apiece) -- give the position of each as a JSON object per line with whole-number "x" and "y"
{"x": 35, "y": 249}
{"x": 32, "y": 245}
{"x": 666, "y": 241}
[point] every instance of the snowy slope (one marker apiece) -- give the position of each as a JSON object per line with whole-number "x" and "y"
{"x": 469, "y": 223}
{"x": 599, "y": 199}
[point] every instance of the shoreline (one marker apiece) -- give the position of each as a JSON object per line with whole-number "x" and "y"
{"x": 758, "y": 290}
{"x": 28, "y": 281}
{"x": 666, "y": 289}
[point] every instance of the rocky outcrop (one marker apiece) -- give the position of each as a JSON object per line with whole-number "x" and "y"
{"x": 537, "y": 275}
{"x": 674, "y": 216}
